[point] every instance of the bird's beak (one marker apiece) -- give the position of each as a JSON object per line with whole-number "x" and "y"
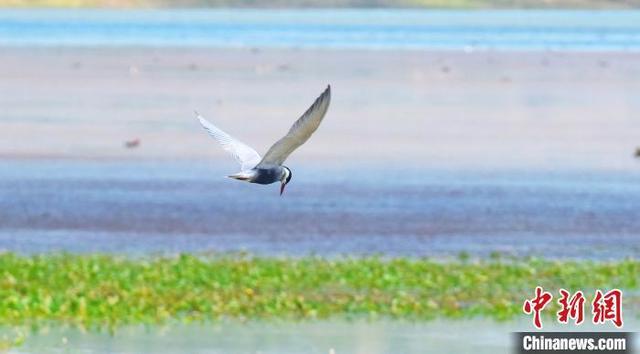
{"x": 282, "y": 187}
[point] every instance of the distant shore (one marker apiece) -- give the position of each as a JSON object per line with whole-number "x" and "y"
{"x": 443, "y": 4}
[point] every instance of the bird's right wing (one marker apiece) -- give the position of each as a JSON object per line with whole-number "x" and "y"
{"x": 247, "y": 157}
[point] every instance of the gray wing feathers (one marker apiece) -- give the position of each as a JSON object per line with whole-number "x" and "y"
{"x": 245, "y": 155}
{"x": 300, "y": 131}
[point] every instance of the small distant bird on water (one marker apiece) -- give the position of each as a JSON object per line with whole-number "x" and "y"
{"x": 269, "y": 169}
{"x": 130, "y": 144}
{"x": 637, "y": 154}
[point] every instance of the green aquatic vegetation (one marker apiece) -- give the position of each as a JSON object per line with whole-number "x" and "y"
{"x": 98, "y": 291}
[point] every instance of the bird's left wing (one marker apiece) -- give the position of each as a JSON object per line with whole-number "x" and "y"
{"x": 247, "y": 157}
{"x": 300, "y": 131}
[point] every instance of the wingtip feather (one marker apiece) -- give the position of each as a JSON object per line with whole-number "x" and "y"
{"x": 201, "y": 119}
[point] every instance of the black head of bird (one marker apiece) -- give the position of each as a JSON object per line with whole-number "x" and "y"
{"x": 286, "y": 177}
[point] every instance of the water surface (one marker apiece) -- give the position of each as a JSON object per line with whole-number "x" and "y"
{"x": 329, "y": 28}
{"x": 322, "y": 337}
{"x": 142, "y": 207}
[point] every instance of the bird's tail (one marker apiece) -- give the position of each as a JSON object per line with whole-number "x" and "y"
{"x": 242, "y": 176}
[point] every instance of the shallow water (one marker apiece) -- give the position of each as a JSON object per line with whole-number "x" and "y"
{"x": 331, "y": 28}
{"x": 374, "y": 337}
{"x": 141, "y": 207}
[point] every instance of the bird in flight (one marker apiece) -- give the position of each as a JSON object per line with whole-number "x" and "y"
{"x": 269, "y": 169}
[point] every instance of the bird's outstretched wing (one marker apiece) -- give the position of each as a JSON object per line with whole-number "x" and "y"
{"x": 299, "y": 132}
{"x": 247, "y": 157}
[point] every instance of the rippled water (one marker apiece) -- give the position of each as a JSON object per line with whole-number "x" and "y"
{"x": 142, "y": 207}
{"x": 334, "y": 28}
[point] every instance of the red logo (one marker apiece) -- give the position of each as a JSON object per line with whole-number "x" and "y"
{"x": 536, "y": 305}
{"x": 605, "y": 307}
{"x": 571, "y": 307}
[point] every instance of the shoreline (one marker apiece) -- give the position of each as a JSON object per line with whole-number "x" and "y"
{"x": 284, "y": 50}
